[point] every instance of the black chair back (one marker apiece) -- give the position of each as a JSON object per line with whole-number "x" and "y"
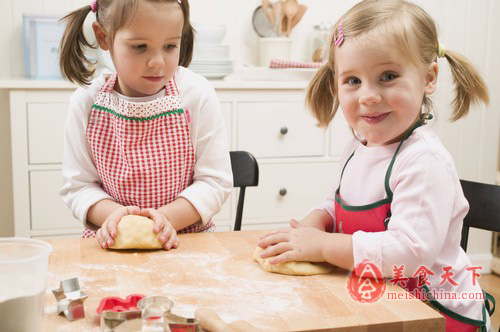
{"x": 245, "y": 174}
{"x": 484, "y": 211}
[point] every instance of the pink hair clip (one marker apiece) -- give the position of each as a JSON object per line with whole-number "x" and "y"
{"x": 340, "y": 39}
{"x": 93, "y": 6}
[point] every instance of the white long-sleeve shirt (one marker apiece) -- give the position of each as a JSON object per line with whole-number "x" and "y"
{"x": 428, "y": 208}
{"x": 212, "y": 180}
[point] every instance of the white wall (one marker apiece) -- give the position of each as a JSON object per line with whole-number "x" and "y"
{"x": 467, "y": 26}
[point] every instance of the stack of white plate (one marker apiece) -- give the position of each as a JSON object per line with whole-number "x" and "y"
{"x": 210, "y": 57}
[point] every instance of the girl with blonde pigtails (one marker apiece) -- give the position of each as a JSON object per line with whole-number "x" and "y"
{"x": 397, "y": 202}
{"x": 149, "y": 139}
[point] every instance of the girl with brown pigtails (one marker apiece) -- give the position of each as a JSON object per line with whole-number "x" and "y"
{"x": 398, "y": 202}
{"x": 148, "y": 139}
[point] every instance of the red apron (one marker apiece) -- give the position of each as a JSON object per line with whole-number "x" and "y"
{"x": 142, "y": 150}
{"x": 375, "y": 217}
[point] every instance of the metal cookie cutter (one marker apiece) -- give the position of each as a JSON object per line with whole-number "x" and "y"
{"x": 155, "y": 312}
{"x": 70, "y": 299}
{"x": 152, "y": 314}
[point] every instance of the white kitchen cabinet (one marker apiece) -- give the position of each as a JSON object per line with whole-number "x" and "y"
{"x": 298, "y": 161}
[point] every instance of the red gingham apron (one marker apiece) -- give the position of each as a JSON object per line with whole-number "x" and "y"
{"x": 375, "y": 217}
{"x": 142, "y": 150}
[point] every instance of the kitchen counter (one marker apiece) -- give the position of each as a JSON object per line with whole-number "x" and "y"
{"x": 216, "y": 270}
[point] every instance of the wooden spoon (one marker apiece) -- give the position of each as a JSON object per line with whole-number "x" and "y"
{"x": 268, "y": 9}
{"x": 291, "y": 9}
{"x": 298, "y": 16}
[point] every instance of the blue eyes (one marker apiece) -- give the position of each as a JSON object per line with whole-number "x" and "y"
{"x": 388, "y": 76}
{"x": 385, "y": 77}
{"x": 353, "y": 81}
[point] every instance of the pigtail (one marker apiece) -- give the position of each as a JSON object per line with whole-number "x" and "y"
{"x": 187, "y": 41}
{"x": 187, "y": 44}
{"x": 72, "y": 60}
{"x": 321, "y": 97}
{"x": 469, "y": 85}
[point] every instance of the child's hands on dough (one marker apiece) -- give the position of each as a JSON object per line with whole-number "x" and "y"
{"x": 168, "y": 236}
{"x": 107, "y": 233}
{"x": 298, "y": 243}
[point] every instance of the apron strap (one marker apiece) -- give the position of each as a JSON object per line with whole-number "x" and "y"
{"x": 110, "y": 83}
{"x": 171, "y": 88}
{"x": 489, "y": 298}
{"x": 424, "y": 117}
{"x": 474, "y": 322}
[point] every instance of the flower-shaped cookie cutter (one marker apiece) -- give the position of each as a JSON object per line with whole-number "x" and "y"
{"x": 70, "y": 299}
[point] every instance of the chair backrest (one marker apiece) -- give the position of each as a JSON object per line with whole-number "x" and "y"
{"x": 484, "y": 211}
{"x": 245, "y": 174}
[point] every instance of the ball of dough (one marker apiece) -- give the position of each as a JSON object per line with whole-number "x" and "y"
{"x": 136, "y": 232}
{"x": 292, "y": 268}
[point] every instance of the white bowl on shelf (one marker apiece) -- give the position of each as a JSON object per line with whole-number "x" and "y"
{"x": 209, "y": 33}
{"x": 209, "y": 51}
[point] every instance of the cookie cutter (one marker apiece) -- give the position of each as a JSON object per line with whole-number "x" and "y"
{"x": 183, "y": 324}
{"x": 147, "y": 313}
{"x": 117, "y": 304}
{"x": 70, "y": 299}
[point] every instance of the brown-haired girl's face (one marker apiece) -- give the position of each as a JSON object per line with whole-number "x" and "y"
{"x": 145, "y": 52}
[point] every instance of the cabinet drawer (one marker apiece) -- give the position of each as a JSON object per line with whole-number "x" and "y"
{"x": 278, "y": 129}
{"x": 306, "y": 185}
{"x": 47, "y": 209}
{"x": 46, "y": 132}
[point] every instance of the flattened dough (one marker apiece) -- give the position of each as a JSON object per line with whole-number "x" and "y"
{"x": 136, "y": 232}
{"x": 292, "y": 268}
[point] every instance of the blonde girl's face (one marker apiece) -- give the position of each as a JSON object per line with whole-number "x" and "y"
{"x": 379, "y": 90}
{"x": 145, "y": 52}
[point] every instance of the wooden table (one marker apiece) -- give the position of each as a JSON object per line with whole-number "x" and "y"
{"x": 215, "y": 270}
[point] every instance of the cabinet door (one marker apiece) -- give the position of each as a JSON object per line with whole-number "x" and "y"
{"x": 46, "y": 132}
{"x": 48, "y": 212}
{"x": 340, "y": 134}
{"x": 278, "y": 129}
{"x": 288, "y": 190}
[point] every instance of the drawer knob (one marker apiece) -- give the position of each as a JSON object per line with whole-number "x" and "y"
{"x": 283, "y": 130}
{"x": 282, "y": 192}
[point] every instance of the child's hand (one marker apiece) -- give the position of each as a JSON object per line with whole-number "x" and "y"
{"x": 298, "y": 243}
{"x": 168, "y": 234}
{"x": 107, "y": 233}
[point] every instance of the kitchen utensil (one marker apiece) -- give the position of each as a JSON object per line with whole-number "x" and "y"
{"x": 291, "y": 14}
{"x": 70, "y": 299}
{"x": 182, "y": 324}
{"x": 298, "y": 15}
{"x": 153, "y": 312}
{"x": 261, "y": 23}
{"x": 210, "y": 321}
{"x": 123, "y": 321}
{"x": 268, "y": 9}
{"x": 117, "y": 304}
{"x": 23, "y": 272}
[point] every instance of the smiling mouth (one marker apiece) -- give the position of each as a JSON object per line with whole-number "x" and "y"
{"x": 375, "y": 118}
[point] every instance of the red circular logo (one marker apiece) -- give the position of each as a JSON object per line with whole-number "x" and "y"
{"x": 365, "y": 283}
